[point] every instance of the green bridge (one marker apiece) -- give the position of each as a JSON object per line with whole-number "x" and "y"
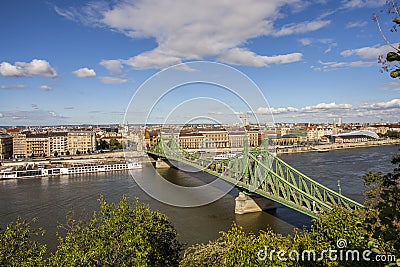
{"x": 259, "y": 171}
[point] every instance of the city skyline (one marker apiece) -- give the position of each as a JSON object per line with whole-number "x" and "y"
{"x": 68, "y": 62}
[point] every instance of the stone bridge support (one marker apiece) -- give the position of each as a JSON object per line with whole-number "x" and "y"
{"x": 247, "y": 204}
{"x": 161, "y": 164}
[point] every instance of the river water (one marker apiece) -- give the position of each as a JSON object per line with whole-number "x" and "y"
{"x": 49, "y": 199}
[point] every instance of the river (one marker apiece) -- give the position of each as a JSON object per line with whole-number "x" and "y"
{"x": 49, "y": 199}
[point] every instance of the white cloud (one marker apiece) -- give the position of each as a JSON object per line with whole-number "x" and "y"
{"x": 6, "y": 69}
{"x": 114, "y": 66}
{"x": 238, "y": 56}
{"x": 334, "y": 65}
{"x": 303, "y": 27}
{"x": 321, "y": 107}
{"x": 392, "y": 104}
{"x": 389, "y": 110}
{"x": 266, "y": 110}
{"x": 13, "y": 87}
{"x": 84, "y": 72}
{"x": 23, "y": 69}
{"x": 1, "y": 115}
{"x": 362, "y": 3}
{"x": 190, "y": 30}
{"x": 326, "y": 41}
{"x": 152, "y": 59}
{"x": 368, "y": 52}
{"x": 112, "y": 80}
{"x": 45, "y": 88}
{"x": 305, "y": 41}
{"x": 356, "y": 24}
{"x": 325, "y": 106}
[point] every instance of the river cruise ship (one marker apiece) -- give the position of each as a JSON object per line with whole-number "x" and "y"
{"x": 42, "y": 170}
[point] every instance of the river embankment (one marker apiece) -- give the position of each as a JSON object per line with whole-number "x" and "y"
{"x": 334, "y": 146}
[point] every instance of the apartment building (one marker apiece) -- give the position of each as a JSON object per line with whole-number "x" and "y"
{"x": 5, "y": 146}
{"x": 37, "y": 145}
{"x": 254, "y": 138}
{"x": 215, "y": 138}
{"x": 19, "y": 146}
{"x": 191, "y": 140}
{"x": 58, "y": 143}
{"x": 81, "y": 142}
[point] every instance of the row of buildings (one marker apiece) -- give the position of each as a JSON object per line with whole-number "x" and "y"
{"x": 232, "y": 138}
{"x": 18, "y": 144}
{"x": 63, "y": 141}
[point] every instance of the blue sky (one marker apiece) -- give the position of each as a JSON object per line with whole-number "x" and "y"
{"x": 76, "y": 62}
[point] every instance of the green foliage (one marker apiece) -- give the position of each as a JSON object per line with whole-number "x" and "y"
{"x": 340, "y": 223}
{"x": 114, "y": 144}
{"x": 383, "y": 201}
{"x": 17, "y": 247}
{"x": 123, "y": 234}
{"x": 395, "y": 73}
{"x": 392, "y": 56}
{"x": 127, "y": 234}
{"x": 236, "y": 248}
{"x": 396, "y": 20}
{"x": 392, "y": 134}
{"x": 392, "y": 60}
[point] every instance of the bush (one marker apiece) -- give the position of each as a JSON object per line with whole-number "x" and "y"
{"x": 123, "y": 234}
{"x": 17, "y": 247}
{"x": 127, "y": 234}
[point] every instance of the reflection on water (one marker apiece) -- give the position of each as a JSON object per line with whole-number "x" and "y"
{"x": 50, "y": 198}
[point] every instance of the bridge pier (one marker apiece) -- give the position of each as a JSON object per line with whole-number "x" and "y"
{"x": 161, "y": 164}
{"x": 247, "y": 204}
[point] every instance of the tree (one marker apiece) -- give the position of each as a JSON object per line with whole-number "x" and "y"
{"x": 55, "y": 154}
{"x": 126, "y": 234}
{"x": 390, "y": 62}
{"x": 102, "y": 144}
{"x": 77, "y": 152}
{"x": 383, "y": 201}
{"x": 392, "y": 134}
{"x": 236, "y": 248}
{"x": 114, "y": 144}
{"x": 67, "y": 153}
{"x": 17, "y": 247}
{"x": 123, "y": 234}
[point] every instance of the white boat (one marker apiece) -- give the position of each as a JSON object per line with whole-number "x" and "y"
{"x": 224, "y": 156}
{"x": 73, "y": 169}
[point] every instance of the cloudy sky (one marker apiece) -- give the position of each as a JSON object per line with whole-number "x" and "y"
{"x": 74, "y": 62}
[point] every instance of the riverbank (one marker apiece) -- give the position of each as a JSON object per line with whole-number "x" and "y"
{"x": 335, "y": 146}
